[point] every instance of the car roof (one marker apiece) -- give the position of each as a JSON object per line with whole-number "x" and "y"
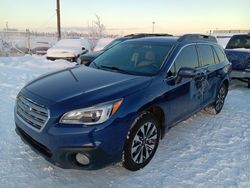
{"x": 245, "y": 34}
{"x": 158, "y": 40}
{"x": 184, "y": 39}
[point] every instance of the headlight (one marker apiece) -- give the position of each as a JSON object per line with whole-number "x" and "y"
{"x": 92, "y": 115}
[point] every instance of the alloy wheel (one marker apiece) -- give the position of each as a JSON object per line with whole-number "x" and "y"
{"x": 220, "y": 99}
{"x": 144, "y": 143}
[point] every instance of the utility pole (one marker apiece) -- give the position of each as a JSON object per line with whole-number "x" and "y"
{"x": 28, "y": 35}
{"x": 7, "y": 26}
{"x": 58, "y": 19}
{"x": 153, "y": 26}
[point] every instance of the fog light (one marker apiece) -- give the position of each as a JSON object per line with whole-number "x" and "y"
{"x": 82, "y": 159}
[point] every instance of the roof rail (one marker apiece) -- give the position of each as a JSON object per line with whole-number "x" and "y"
{"x": 192, "y": 37}
{"x": 138, "y": 35}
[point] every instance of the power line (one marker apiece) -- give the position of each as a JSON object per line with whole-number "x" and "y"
{"x": 47, "y": 21}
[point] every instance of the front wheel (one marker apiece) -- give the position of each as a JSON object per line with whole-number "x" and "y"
{"x": 142, "y": 142}
{"x": 217, "y": 106}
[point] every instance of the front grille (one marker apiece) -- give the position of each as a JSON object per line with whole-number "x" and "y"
{"x": 32, "y": 113}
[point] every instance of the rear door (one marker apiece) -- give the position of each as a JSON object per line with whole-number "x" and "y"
{"x": 208, "y": 59}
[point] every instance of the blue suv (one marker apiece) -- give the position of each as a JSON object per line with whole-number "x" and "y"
{"x": 122, "y": 104}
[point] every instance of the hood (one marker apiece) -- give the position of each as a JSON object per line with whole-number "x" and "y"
{"x": 239, "y": 58}
{"x": 86, "y": 85}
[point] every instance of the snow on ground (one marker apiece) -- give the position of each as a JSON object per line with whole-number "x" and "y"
{"x": 203, "y": 151}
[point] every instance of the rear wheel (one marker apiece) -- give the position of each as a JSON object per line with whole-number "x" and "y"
{"x": 217, "y": 106}
{"x": 141, "y": 143}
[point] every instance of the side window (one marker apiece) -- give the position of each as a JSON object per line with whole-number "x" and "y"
{"x": 220, "y": 53}
{"x": 216, "y": 58}
{"x": 187, "y": 58}
{"x": 206, "y": 54}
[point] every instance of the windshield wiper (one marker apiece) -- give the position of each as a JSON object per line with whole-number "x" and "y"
{"x": 94, "y": 63}
{"x": 117, "y": 69}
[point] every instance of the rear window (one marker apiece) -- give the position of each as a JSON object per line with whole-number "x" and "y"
{"x": 216, "y": 58}
{"x": 239, "y": 41}
{"x": 206, "y": 54}
{"x": 220, "y": 53}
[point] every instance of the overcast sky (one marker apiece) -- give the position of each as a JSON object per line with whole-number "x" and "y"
{"x": 128, "y": 16}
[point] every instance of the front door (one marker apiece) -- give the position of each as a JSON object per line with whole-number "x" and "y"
{"x": 184, "y": 97}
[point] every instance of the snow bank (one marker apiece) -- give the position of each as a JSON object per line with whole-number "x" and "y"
{"x": 203, "y": 151}
{"x": 34, "y": 62}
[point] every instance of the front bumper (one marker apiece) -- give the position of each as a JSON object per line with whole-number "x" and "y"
{"x": 57, "y": 143}
{"x": 65, "y": 157}
{"x": 240, "y": 74}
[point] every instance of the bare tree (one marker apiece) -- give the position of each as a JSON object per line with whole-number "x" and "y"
{"x": 99, "y": 26}
{"x": 96, "y": 30}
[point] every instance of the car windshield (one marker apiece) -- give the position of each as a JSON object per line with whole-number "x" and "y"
{"x": 113, "y": 43}
{"x": 239, "y": 41}
{"x": 133, "y": 58}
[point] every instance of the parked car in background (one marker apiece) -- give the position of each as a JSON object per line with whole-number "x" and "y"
{"x": 69, "y": 49}
{"x": 41, "y": 48}
{"x": 238, "y": 53}
{"x": 89, "y": 57}
{"x": 121, "y": 105}
{"x": 101, "y": 43}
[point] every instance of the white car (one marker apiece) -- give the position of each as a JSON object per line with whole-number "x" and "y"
{"x": 69, "y": 49}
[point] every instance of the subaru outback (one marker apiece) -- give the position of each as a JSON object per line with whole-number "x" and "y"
{"x": 121, "y": 105}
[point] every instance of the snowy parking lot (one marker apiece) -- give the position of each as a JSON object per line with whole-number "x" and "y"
{"x": 203, "y": 151}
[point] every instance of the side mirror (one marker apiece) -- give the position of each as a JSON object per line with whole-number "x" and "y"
{"x": 185, "y": 72}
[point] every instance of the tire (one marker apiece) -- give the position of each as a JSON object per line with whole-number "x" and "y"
{"x": 217, "y": 106}
{"x": 142, "y": 142}
{"x": 50, "y": 59}
{"x": 74, "y": 59}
